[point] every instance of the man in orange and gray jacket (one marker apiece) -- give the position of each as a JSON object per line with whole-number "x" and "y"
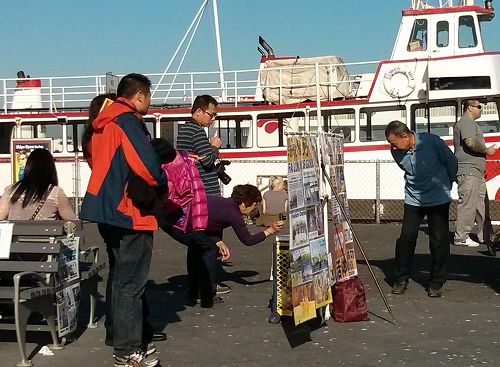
{"x": 120, "y": 148}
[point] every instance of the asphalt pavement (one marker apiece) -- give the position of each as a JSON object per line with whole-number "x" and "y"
{"x": 459, "y": 329}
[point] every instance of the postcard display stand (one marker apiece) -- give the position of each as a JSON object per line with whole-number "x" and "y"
{"x": 310, "y": 260}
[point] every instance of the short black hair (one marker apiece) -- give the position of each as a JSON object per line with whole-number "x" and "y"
{"x": 467, "y": 103}
{"x": 131, "y": 84}
{"x": 247, "y": 194}
{"x": 203, "y": 102}
{"x": 397, "y": 128}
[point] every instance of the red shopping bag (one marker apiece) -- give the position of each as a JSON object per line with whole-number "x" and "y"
{"x": 349, "y": 301}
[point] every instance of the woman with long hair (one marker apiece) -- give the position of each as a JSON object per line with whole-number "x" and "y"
{"x": 36, "y": 196}
{"x": 95, "y": 107}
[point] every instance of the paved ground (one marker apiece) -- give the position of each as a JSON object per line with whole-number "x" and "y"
{"x": 460, "y": 329}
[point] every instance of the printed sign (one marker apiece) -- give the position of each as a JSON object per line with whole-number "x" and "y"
{"x": 21, "y": 149}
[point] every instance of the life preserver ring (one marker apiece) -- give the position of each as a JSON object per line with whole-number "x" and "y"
{"x": 399, "y": 82}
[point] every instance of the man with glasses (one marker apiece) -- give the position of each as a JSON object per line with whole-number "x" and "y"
{"x": 472, "y": 204}
{"x": 193, "y": 138}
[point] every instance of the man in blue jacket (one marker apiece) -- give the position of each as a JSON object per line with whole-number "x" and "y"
{"x": 120, "y": 148}
{"x": 430, "y": 168}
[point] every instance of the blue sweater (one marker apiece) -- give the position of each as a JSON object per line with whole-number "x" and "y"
{"x": 430, "y": 170}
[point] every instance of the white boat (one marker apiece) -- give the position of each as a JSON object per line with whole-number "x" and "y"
{"x": 437, "y": 62}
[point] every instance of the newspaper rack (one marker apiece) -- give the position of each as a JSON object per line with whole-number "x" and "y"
{"x": 281, "y": 299}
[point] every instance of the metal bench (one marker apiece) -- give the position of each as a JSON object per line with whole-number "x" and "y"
{"x": 28, "y": 277}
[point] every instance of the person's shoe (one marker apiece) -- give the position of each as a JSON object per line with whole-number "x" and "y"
{"x": 209, "y": 303}
{"x": 108, "y": 342}
{"x": 222, "y": 289}
{"x": 467, "y": 242}
{"x": 399, "y": 287}
{"x": 490, "y": 248}
{"x": 150, "y": 349}
{"x": 435, "y": 291}
{"x": 137, "y": 359}
{"x": 158, "y": 336}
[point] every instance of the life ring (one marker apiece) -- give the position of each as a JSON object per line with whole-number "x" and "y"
{"x": 399, "y": 82}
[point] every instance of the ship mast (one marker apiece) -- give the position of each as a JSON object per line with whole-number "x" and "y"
{"x": 191, "y": 31}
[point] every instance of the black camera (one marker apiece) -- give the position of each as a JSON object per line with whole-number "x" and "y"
{"x": 220, "y": 168}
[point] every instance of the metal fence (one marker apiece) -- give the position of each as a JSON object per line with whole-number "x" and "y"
{"x": 375, "y": 188}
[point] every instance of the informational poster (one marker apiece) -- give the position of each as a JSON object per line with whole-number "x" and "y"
{"x": 20, "y": 151}
{"x": 341, "y": 241}
{"x": 310, "y": 260}
{"x": 68, "y": 296}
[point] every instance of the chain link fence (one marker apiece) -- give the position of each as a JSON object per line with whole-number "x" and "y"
{"x": 375, "y": 188}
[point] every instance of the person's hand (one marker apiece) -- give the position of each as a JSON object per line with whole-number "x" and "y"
{"x": 275, "y": 227}
{"x": 215, "y": 141}
{"x": 491, "y": 150}
{"x": 223, "y": 250}
{"x": 194, "y": 157}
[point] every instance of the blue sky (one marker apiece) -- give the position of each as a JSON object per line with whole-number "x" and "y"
{"x": 63, "y": 38}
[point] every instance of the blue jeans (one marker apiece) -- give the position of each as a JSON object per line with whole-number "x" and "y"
{"x": 132, "y": 252}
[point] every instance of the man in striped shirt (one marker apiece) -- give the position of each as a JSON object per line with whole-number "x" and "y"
{"x": 193, "y": 138}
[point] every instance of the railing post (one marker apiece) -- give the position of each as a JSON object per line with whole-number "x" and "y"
{"x": 50, "y": 96}
{"x": 4, "y": 96}
{"x": 377, "y": 191}
{"x": 192, "y": 87}
{"x": 235, "y": 89}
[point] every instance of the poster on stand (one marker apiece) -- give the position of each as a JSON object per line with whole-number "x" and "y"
{"x": 68, "y": 296}
{"x": 341, "y": 241}
{"x": 310, "y": 260}
{"x": 20, "y": 151}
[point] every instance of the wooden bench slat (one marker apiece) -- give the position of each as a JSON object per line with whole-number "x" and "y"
{"x": 34, "y": 248}
{"x": 27, "y": 292}
{"x": 35, "y": 266}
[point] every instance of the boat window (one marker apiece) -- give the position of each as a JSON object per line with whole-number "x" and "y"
{"x": 466, "y": 32}
{"x": 418, "y": 37}
{"x": 372, "y": 123}
{"x": 54, "y": 131}
{"x": 74, "y": 132}
{"x": 235, "y": 132}
{"x": 442, "y": 34}
{"x": 271, "y": 127}
{"x": 438, "y": 120}
{"x": 6, "y": 129}
{"x": 341, "y": 121}
{"x": 150, "y": 125}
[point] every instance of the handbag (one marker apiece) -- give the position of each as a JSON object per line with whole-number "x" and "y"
{"x": 349, "y": 301}
{"x": 40, "y": 205}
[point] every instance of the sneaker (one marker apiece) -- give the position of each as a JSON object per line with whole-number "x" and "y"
{"x": 435, "y": 291}
{"x": 399, "y": 287}
{"x": 490, "y": 248}
{"x": 147, "y": 350}
{"x": 137, "y": 359}
{"x": 467, "y": 242}
{"x": 222, "y": 289}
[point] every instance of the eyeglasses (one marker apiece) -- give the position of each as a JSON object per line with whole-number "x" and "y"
{"x": 477, "y": 106}
{"x": 212, "y": 115}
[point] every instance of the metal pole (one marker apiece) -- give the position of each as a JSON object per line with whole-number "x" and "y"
{"x": 346, "y": 218}
{"x": 219, "y": 50}
{"x": 318, "y": 99}
{"x": 377, "y": 193}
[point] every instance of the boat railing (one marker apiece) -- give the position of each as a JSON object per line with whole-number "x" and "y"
{"x": 176, "y": 89}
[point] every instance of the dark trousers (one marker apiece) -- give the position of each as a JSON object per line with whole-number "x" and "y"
{"x": 201, "y": 261}
{"x": 131, "y": 257}
{"x": 439, "y": 244}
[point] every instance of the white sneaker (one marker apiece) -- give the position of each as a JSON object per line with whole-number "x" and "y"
{"x": 467, "y": 242}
